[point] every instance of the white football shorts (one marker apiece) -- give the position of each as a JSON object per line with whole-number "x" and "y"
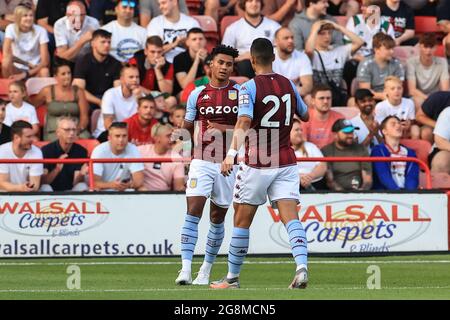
{"x": 205, "y": 179}
{"x": 254, "y": 185}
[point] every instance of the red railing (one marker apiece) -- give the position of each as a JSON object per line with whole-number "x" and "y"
{"x": 91, "y": 162}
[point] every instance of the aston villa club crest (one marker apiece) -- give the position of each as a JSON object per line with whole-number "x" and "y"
{"x": 232, "y": 94}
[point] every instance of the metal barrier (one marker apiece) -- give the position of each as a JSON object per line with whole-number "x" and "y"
{"x": 91, "y": 162}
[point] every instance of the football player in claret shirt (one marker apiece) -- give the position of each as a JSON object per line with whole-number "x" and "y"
{"x": 267, "y": 104}
{"x": 214, "y": 107}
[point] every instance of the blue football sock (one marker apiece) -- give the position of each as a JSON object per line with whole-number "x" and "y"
{"x": 214, "y": 241}
{"x": 297, "y": 239}
{"x": 238, "y": 250}
{"x": 189, "y": 235}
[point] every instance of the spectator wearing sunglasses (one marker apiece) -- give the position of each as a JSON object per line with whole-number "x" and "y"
{"x": 127, "y": 36}
{"x": 73, "y": 32}
{"x": 117, "y": 176}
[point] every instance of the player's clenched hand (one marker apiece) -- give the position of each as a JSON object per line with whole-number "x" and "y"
{"x": 227, "y": 166}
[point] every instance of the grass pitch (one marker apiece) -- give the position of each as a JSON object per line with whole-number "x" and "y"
{"x": 402, "y": 277}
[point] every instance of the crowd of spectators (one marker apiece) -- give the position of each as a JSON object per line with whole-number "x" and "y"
{"x": 121, "y": 72}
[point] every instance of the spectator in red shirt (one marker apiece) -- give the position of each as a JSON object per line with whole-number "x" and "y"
{"x": 156, "y": 74}
{"x": 140, "y": 124}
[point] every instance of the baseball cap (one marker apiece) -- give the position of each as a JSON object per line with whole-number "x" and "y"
{"x": 360, "y": 94}
{"x": 343, "y": 125}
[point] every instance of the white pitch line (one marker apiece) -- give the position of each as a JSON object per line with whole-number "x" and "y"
{"x": 200, "y": 289}
{"x": 221, "y": 262}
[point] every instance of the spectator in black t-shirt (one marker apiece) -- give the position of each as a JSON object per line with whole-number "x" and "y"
{"x": 156, "y": 74}
{"x": 5, "y": 131}
{"x": 103, "y": 10}
{"x": 62, "y": 177}
{"x": 47, "y": 12}
{"x": 188, "y": 65}
{"x": 428, "y": 113}
{"x": 97, "y": 71}
{"x": 401, "y": 16}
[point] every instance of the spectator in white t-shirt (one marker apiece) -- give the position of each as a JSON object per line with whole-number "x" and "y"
{"x": 241, "y": 33}
{"x": 74, "y": 31}
{"x": 328, "y": 64}
{"x": 25, "y": 51}
{"x": 127, "y": 37}
{"x": 117, "y": 176}
{"x": 148, "y": 9}
{"x": 291, "y": 63}
{"x": 368, "y": 134}
{"x": 311, "y": 173}
{"x": 20, "y": 177}
{"x": 18, "y": 109}
{"x": 396, "y": 105}
{"x": 172, "y": 26}
{"x": 366, "y": 25}
{"x": 119, "y": 103}
{"x": 440, "y": 156}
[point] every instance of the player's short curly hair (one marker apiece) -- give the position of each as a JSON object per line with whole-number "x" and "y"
{"x": 223, "y": 49}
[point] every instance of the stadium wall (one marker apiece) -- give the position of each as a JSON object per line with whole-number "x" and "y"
{"x": 143, "y": 224}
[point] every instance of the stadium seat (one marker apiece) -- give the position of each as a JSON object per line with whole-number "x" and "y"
{"x": 40, "y": 144}
{"x": 225, "y": 22}
{"x": 403, "y": 53}
{"x": 42, "y": 114}
{"x": 88, "y": 144}
{"x": 4, "y": 84}
{"x": 193, "y": 6}
{"x": 209, "y": 26}
{"x": 94, "y": 119}
{"x": 426, "y": 24}
{"x": 421, "y": 147}
{"x": 341, "y": 20}
{"x": 347, "y": 112}
{"x": 34, "y": 85}
{"x": 439, "y": 180}
{"x": 440, "y": 51}
{"x": 239, "y": 80}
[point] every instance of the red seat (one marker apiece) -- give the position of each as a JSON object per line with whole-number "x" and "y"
{"x": 35, "y": 85}
{"x": 439, "y": 180}
{"x": 403, "y": 53}
{"x": 4, "y": 88}
{"x": 209, "y": 27}
{"x": 193, "y": 6}
{"x": 41, "y": 144}
{"x": 440, "y": 51}
{"x": 426, "y": 24}
{"x": 347, "y": 112}
{"x": 421, "y": 147}
{"x": 42, "y": 114}
{"x": 225, "y": 22}
{"x": 88, "y": 144}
